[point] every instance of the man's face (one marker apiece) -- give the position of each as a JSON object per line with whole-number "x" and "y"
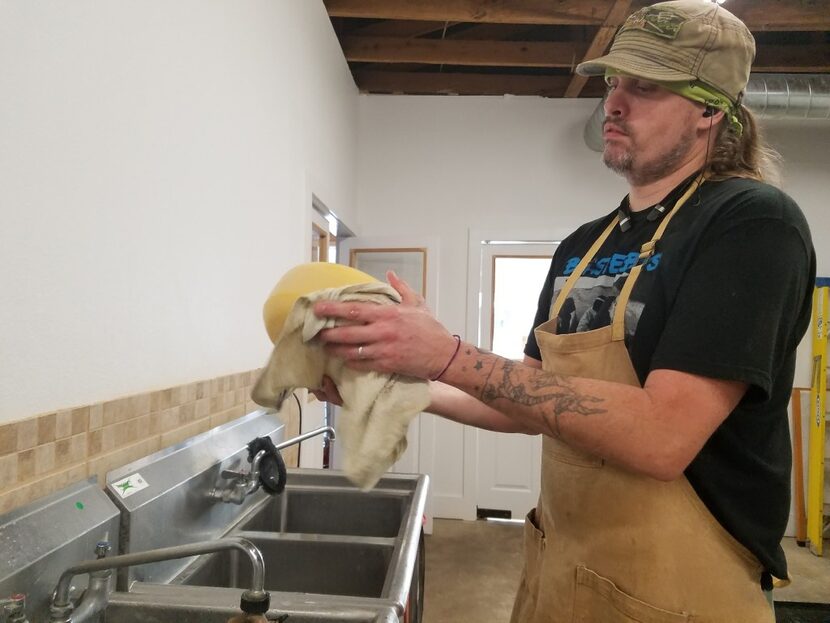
{"x": 649, "y": 132}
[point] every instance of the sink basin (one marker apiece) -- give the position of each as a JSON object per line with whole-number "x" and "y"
{"x": 300, "y": 565}
{"x": 331, "y": 511}
{"x": 323, "y": 536}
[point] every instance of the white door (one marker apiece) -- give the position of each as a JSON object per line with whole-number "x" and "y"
{"x": 510, "y": 276}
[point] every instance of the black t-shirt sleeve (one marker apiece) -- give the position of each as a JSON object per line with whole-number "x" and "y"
{"x": 740, "y": 306}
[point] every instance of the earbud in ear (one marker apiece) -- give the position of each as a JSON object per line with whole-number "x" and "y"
{"x": 709, "y": 111}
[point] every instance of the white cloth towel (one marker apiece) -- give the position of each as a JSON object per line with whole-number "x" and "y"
{"x": 377, "y": 408}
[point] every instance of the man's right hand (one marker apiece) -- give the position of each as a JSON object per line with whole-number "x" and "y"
{"x": 328, "y": 393}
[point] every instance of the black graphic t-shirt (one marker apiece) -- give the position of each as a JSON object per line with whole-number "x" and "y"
{"x": 727, "y": 295}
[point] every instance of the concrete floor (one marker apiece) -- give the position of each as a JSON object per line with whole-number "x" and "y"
{"x": 473, "y": 567}
{"x": 810, "y": 574}
{"x": 472, "y": 571}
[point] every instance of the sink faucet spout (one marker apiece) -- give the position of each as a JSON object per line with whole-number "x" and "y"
{"x": 244, "y": 484}
{"x": 64, "y": 611}
{"x": 312, "y": 433}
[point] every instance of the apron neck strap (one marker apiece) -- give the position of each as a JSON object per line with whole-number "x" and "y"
{"x": 646, "y": 251}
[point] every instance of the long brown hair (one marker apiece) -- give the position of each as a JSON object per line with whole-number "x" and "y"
{"x": 746, "y": 155}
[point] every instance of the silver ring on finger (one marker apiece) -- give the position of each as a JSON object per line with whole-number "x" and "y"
{"x": 360, "y": 354}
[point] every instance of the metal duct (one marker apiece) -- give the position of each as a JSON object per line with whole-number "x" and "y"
{"x": 770, "y": 96}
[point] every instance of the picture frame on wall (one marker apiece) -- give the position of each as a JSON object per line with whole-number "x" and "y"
{"x": 410, "y": 264}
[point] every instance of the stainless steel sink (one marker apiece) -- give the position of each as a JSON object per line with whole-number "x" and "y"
{"x": 301, "y": 565}
{"x": 331, "y": 510}
{"x": 331, "y": 551}
{"x": 324, "y": 536}
{"x": 323, "y": 540}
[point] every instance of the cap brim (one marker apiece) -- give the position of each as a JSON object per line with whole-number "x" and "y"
{"x": 633, "y": 65}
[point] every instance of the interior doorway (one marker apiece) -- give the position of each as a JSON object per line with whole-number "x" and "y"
{"x": 327, "y": 230}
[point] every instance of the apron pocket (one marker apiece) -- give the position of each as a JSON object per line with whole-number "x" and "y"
{"x": 598, "y": 600}
{"x": 527, "y": 597}
{"x": 534, "y": 547}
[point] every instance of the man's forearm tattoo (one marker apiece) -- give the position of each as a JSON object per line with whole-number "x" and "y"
{"x": 555, "y": 393}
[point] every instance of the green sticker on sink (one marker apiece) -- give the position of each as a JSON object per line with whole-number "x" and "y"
{"x": 79, "y": 506}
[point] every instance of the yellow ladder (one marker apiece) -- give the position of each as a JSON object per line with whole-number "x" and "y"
{"x": 817, "y": 439}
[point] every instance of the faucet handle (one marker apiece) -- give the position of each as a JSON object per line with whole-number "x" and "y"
{"x": 14, "y": 600}
{"x": 267, "y": 465}
{"x": 15, "y": 608}
{"x": 102, "y": 548}
{"x": 231, "y": 474}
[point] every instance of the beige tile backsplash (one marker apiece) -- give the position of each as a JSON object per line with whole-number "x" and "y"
{"x": 41, "y": 454}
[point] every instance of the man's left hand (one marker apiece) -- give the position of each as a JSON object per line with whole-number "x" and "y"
{"x": 404, "y": 339}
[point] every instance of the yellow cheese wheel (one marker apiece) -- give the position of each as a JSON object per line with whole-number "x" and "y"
{"x": 302, "y": 280}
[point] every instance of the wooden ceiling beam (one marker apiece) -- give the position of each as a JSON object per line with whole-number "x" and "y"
{"x": 493, "y": 32}
{"x": 616, "y": 16}
{"x": 398, "y": 28}
{"x": 760, "y": 15}
{"x": 445, "y": 83}
{"x": 813, "y": 58}
{"x": 410, "y": 28}
{"x": 512, "y": 12}
{"x": 757, "y": 14}
{"x": 462, "y": 52}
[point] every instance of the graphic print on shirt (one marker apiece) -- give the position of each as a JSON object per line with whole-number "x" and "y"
{"x": 593, "y": 299}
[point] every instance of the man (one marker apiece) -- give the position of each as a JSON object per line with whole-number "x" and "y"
{"x": 666, "y": 453}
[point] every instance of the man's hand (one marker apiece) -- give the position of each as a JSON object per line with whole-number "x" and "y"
{"x": 404, "y": 339}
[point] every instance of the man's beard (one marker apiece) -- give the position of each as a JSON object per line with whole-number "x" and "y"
{"x": 642, "y": 173}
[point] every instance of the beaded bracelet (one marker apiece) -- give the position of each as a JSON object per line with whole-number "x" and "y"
{"x": 447, "y": 367}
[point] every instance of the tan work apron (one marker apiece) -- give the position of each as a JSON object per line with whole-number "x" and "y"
{"x": 608, "y": 546}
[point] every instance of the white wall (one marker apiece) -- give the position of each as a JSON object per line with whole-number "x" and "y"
{"x": 156, "y": 165}
{"x": 806, "y": 172}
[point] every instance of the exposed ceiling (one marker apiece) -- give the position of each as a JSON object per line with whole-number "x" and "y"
{"x": 530, "y": 47}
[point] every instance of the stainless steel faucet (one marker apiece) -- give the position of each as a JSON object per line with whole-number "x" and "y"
{"x": 244, "y": 484}
{"x": 255, "y": 600}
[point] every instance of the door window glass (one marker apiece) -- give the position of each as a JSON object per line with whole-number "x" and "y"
{"x": 517, "y": 281}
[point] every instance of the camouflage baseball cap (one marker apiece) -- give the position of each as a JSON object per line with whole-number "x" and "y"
{"x": 681, "y": 40}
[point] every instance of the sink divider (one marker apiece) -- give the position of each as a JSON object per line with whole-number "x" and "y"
{"x": 260, "y": 535}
